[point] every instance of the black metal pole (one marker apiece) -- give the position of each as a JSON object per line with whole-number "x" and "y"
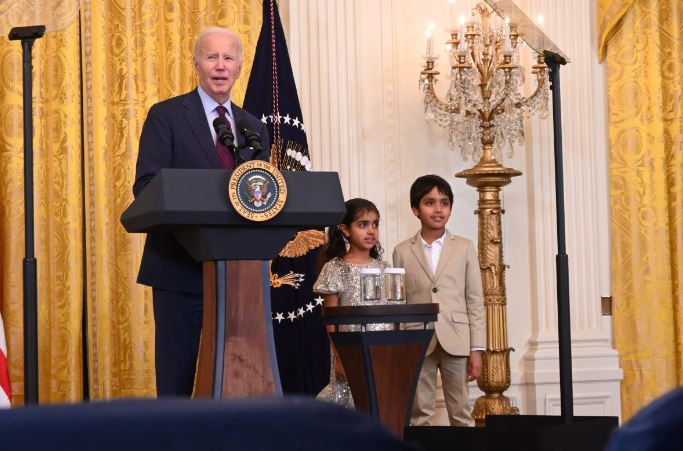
{"x": 84, "y": 312}
{"x": 561, "y": 259}
{"x": 28, "y": 35}
{"x": 30, "y": 273}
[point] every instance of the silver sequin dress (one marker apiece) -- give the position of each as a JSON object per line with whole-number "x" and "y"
{"x": 343, "y": 278}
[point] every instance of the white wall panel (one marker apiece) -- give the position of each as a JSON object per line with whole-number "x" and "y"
{"x": 357, "y": 65}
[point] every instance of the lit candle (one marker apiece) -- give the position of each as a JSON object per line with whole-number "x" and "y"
{"x": 462, "y": 48}
{"x": 452, "y": 8}
{"x": 430, "y": 39}
{"x": 462, "y": 27}
{"x": 540, "y": 19}
{"x": 507, "y": 46}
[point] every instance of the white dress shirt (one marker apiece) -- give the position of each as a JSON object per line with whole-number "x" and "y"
{"x": 433, "y": 251}
{"x": 210, "y": 106}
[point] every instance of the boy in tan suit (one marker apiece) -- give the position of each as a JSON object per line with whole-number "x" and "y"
{"x": 444, "y": 268}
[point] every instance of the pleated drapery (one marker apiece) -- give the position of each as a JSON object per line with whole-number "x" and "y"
{"x": 642, "y": 44}
{"x": 94, "y": 81}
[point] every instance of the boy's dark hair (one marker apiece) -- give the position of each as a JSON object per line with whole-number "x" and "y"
{"x": 336, "y": 246}
{"x": 423, "y": 185}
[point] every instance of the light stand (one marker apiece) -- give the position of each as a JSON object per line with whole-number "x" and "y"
{"x": 553, "y": 60}
{"x": 27, "y": 35}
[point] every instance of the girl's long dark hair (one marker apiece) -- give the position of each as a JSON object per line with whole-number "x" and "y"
{"x": 336, "y": 246}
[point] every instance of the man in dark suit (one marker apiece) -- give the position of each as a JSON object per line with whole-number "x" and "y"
{"x": 178, "y": 133}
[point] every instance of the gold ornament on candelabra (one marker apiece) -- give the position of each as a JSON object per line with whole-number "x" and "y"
{"x": 484, "y": 114}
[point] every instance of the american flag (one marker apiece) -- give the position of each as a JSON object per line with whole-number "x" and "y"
{"x": 5, "y": 387}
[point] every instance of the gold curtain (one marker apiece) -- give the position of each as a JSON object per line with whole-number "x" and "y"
{"x": 642, "y": 42}
{"x": 58, "y": 211}
{"x": 93, "y": 85}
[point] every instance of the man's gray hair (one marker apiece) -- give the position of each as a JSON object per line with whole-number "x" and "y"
{"x": 219, "y": 30}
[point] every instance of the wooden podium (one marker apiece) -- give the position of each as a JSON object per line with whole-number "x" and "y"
{"x": 237, "y": 353}
{"x": 383, "y": 366}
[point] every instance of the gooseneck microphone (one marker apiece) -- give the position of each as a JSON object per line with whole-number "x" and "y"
{"x": 224, "y": 133}
{"x": 251, "y": 138}
{"x": 226, "y": 137}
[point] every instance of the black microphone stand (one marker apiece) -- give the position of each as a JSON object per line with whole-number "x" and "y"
{"x": 230, "y": 142}
{"x": 237, "y": 154}
{"x": 253, "y": 154}
{"x": 27, "y": 35}
{"x": 553, "y": 60}
{"x": 248, "y": 144}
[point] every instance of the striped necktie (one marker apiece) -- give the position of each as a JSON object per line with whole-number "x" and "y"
{"x": 225, "y": 158}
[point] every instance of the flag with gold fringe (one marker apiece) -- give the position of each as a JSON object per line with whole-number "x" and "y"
{"x": 300, "y": 338}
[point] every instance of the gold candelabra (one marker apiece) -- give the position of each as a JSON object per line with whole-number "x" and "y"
{"x": 484, "y": 113}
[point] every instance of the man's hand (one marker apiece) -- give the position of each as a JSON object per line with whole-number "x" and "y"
{"x": 474, "y": 365}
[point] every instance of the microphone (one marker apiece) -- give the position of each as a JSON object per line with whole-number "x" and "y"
{"x": 251, "y": 138}
{"x": 224, "y": 133}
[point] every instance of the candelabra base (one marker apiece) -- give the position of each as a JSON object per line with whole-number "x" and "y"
{"x": 492, "y": 404}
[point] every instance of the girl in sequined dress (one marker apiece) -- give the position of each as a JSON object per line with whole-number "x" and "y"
{"x": 352, "y": 246}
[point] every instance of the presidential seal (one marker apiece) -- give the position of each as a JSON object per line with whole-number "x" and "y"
{"x": 257, "y": 190}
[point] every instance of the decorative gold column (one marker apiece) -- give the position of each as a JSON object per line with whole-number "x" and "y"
{"x": 489, "y": 176}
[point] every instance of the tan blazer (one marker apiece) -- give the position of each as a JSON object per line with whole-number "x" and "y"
{"x": 456, "y": 287}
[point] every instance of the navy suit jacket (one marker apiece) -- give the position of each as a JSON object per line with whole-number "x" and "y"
{"x": 655, "y": 427}
{"x": 176, "y": 134}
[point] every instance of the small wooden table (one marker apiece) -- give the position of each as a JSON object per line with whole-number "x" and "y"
{"x": 383, "y": 366}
